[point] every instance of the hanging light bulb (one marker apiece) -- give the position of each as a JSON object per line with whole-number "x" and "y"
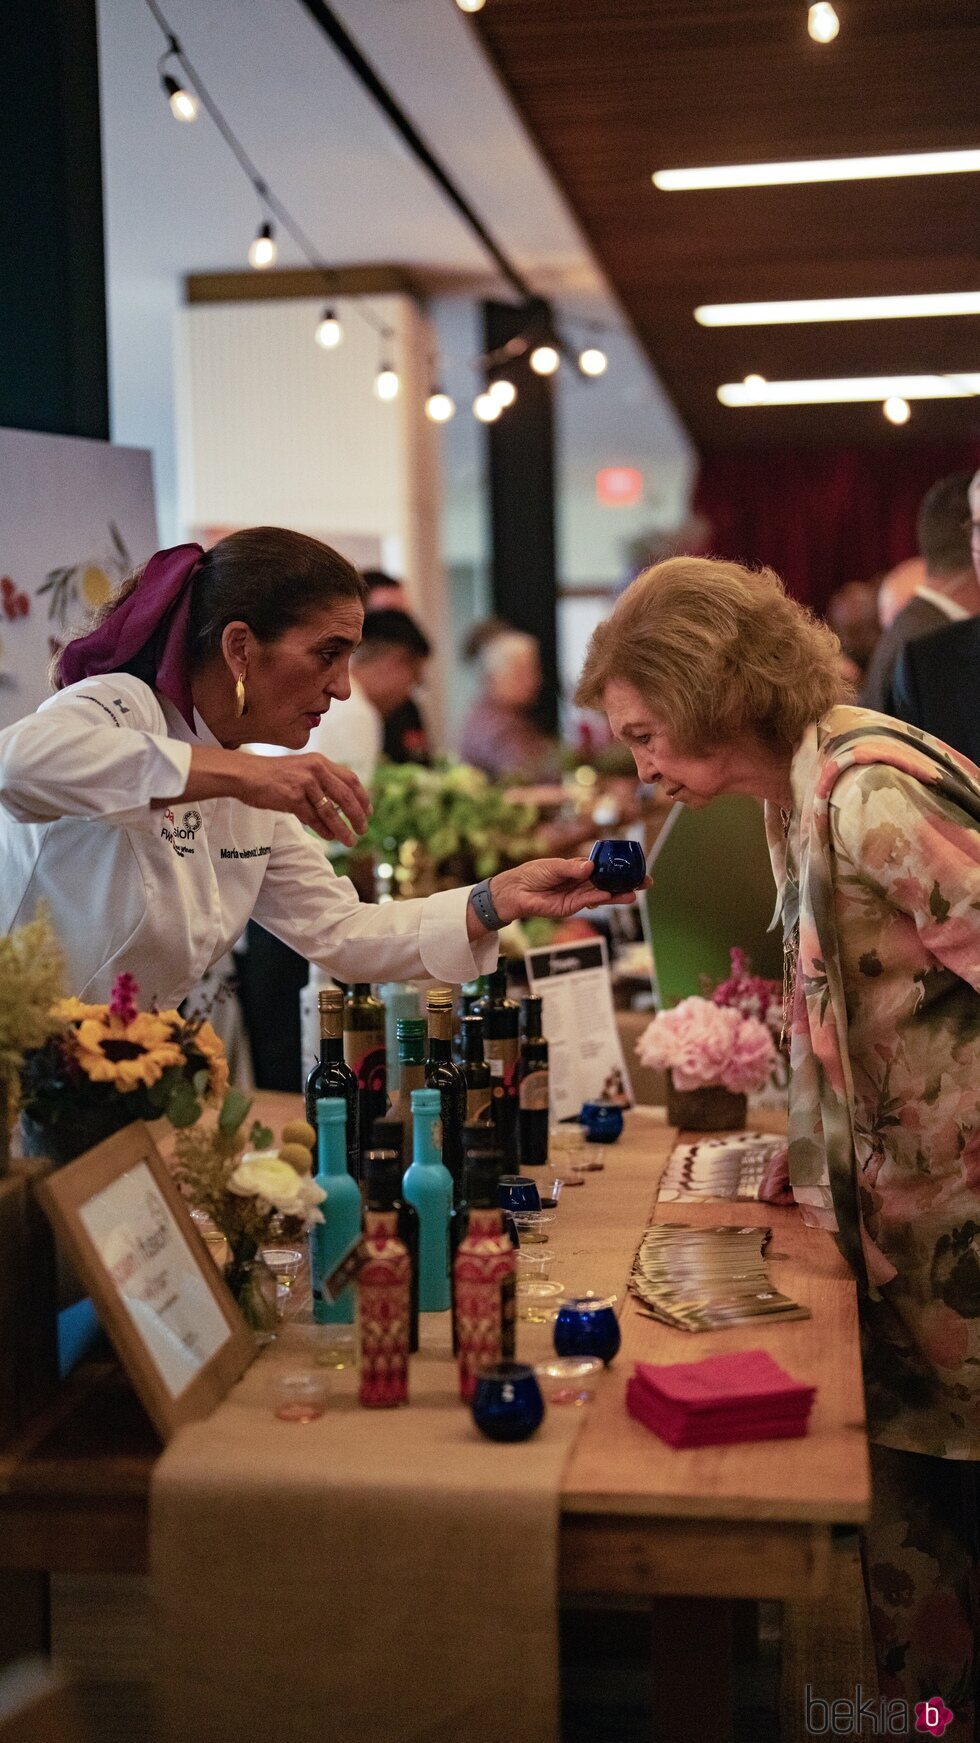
{"x": 486, "y": 408}
{"x": 544, "y": 360}
{"x": 329, "y": 331}
{"x": 439, "y": 407}
{"x": 896, "y": 409}
{"x": 592, "y": 361}
{"x": 471, "y": 5}
{"x": 822, "y": 22}
{"x": 386, "y": 382}
{"x": 754, "y": 383}
{"x": 503, "y": 391}
{"x": 183, "y": 106}
{"x": 262, "y": 251}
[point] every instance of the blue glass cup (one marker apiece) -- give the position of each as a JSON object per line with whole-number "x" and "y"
{"x": 618, "y": 866}
{"x": 516, "y": 1193}
{"x": 587, "y": 1326}
{"x": 603, "y": 1121}
{"x": 507, "y": 1403}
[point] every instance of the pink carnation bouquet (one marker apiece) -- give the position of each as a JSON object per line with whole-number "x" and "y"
{"x": 700, "y": 1043}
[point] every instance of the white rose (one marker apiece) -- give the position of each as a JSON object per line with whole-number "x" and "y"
{"x": 263, "y": 1174}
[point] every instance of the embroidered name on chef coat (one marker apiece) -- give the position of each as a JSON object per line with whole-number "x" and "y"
{"x": 245, "y": 852}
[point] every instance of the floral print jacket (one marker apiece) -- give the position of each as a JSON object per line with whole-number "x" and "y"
{"x": 879, "y": 871}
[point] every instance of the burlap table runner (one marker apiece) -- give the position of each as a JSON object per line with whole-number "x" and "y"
{"x": 379, "y": 1576}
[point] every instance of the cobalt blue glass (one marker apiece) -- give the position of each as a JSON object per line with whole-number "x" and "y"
{"x": 603, "y": 1121}
{"x": 587, "y": 1326}
{"x": 618, "y": 866}
{"x": 507, "y": 1403}
{"x": 516, "y": 1193}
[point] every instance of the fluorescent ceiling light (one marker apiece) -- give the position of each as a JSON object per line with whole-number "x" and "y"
{"x": 854, "y": 389}
{"x": 837, "y": 309}
{"x": 829, "y": 169}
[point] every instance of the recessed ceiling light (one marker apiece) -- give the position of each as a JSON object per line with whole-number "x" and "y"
{"x": 896, "y": 409}
{"x": 828, "y": 169}
{"x": 849, "y": 390}
{"x": 837, "y": 309}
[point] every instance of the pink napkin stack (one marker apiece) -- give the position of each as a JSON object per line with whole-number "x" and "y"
{"x": 744, "y": 1396}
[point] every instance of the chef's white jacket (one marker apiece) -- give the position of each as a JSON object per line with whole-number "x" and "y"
{"x": 165, "y": 892}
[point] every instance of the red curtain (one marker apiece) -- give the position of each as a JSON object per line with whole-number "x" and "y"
{"x": 820, "y": 517}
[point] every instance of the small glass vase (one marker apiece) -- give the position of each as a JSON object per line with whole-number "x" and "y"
{"x": 712, "y": 1108}
{"x": 254, "y": 1287}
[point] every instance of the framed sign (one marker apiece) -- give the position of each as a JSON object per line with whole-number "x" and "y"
{"x": 161, "y": 1299}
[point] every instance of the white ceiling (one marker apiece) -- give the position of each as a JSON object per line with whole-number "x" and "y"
{"x": 176, "y": 202}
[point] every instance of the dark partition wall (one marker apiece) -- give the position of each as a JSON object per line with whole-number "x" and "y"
{"x": 521, "y": 448}
{"x": 53, "y": 373}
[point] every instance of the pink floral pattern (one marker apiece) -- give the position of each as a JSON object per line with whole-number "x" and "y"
{"x": 880, "y": 875}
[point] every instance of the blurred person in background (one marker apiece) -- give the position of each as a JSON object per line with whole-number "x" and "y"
{"x": 852, "y": 613}
{"x": 936, "y": 684}
{"x": 406, "y": 738}
{"x": 897, "y": 587}
{"x": 950, "y": 592}
{"x": 500, "y": 734}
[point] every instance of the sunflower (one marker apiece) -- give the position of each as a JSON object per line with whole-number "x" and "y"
{"x": 72, "y": 1010}
{"x": 209, "y": 1044}
{"x": 126, "y": 1054}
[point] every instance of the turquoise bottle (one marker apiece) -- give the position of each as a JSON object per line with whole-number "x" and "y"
{"x": 342, "y": 1210}
{"x": 428, "y": 1185}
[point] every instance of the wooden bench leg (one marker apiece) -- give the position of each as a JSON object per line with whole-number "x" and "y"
{"x": 691, "y": 1652}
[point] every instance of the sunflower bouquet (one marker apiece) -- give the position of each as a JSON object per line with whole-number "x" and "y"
{"x": 106, "y": 1065}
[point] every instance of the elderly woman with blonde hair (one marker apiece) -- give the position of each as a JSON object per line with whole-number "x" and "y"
{"x": 719, "y": 683}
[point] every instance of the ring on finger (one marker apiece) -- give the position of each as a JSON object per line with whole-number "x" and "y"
{"x": 325, "y": 800}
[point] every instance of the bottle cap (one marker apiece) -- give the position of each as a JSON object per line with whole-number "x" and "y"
{"x": 497, "y": 984}
{"x": 383, "y": 1174}
{"x": 330, "y": 998}
{"x": 531, "y": 1014}
{"x": 331, "y": 1111}
{"x": 439, "y": 998}
{"x": 387, "y": 1135}
{"x": 427, "y": 1101}
{"x": 412, "y": 1035}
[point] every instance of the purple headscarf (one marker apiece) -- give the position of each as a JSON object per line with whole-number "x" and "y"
{"x": 162, "y": 596}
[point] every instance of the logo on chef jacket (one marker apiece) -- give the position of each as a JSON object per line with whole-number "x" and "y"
{"x": 180, "y": 831}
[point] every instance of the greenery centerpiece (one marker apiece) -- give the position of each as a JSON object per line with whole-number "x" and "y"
{"x": 435, "y": 827}
{"x": 32, "y": 971}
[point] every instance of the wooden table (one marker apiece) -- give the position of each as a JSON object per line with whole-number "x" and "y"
{"x": 685, "y": 1533}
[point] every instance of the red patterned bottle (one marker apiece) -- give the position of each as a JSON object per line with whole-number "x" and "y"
{"x": 385, "y": 1287}
{"x": 484, "y": 1277}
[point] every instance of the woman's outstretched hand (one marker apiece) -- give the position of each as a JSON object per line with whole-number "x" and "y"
{"x": 555, "y": 888}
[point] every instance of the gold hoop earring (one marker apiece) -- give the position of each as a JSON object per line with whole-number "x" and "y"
{"x": 240, "y": 694}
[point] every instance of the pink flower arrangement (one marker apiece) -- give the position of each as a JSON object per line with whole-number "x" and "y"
{"x": 700, "y": 1042}
{"x": 750, "y": 993}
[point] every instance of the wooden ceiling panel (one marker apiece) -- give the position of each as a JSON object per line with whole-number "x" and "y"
{"x": 614, "y": 89}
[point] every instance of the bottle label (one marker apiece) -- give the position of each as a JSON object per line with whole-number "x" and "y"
{"x": 478, "y": 1107}
{"x": 366, "y": 1058}
{"x": 534, "y": 1092}
{"x": 385, "y": 1311}
{"x": 503, "y": 1058}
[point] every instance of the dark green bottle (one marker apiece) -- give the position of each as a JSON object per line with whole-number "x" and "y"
{"x": 364, "y": 1051}
{"x": 448, "y": 1079}
{"x": 532, "y": 1086}
{"x": 332, "y": 1076}
{"x": 479, "y": 1083}
{"x": 410, "y": 1034}
{"x": 501, "y": 1050}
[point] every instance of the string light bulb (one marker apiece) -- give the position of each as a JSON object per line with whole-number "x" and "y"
{"x": 329, "y": 331}
{"x": 486, "y": 408}
{"x": 386, "y": 382}
{"x": 544, "y": 360}
{"x": 822, "y": 21}
{"x": 183, "y": 105}
{"x": 754, "y": 384}
{"x": 439, "y": 408}
{"x": 471, "y": 5}
{"x": 262, "y": 250}
{"x": 896, "y": 409}
{"x": 503, "y": 391}
{"x": 592, "y": 361}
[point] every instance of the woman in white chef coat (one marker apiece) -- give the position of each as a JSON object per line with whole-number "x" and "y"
{"x": 128, "y": 807}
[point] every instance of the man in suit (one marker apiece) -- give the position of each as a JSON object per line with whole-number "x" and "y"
{"x": 936, "y": 682}
{"x": 950, "y": 593}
